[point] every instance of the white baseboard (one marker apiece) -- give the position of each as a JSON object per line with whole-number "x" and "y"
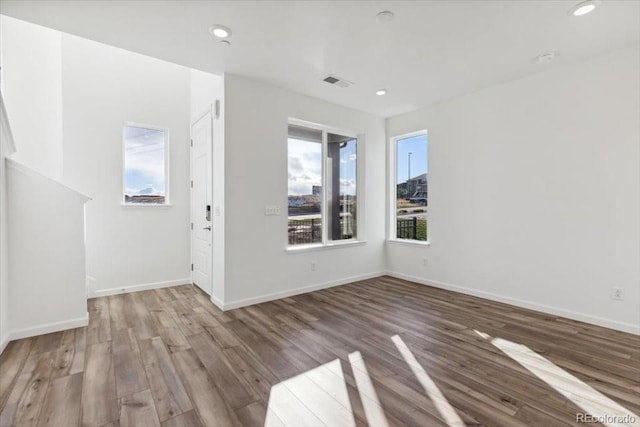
{"x": 217, "y": 302}
{"x": 3, "y": 343}
{"x": 48, "y": 328}
{"x": 297, "y": 291}
{"x": 91, "y": 286}
{"x": 556, "y": 311}
{"x": 140, "y": 287}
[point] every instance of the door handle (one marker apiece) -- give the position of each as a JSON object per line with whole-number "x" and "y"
{"x": 207, "y": 228}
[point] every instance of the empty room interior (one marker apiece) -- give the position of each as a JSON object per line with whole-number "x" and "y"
{"x": 320, "y": 213}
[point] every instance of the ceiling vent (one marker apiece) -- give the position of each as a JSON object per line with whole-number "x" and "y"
{"x": 337, "y": 81}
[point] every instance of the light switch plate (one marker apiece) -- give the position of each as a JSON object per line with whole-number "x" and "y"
{"x": 271, "y": 210}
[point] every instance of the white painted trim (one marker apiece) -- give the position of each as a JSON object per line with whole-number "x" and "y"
{"x": 392, "y": 184}
{"x": 90, "y": 283}
{"x": 407, "y": 242}
{"x": 5, "y": 129}
{"x": 3, "y": 343}
{"x": 167, "y": 162}
{"x": 556, "y": 311}
{"x": 49, "y": 327}
{"x": 217, "y": 302}
{"x": 318, "y": 126}
{"x": 141, "y": 287}
{"x": 297, "y": 291}
{"x": 25, "y": 170}
{"x": 203, "y": 115}
{"x": 144, "y": 205}
{"x": 360, "y": 177}
{"x": 300, "y": 249}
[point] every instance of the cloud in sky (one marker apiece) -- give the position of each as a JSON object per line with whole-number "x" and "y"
{"x": 144, "y": 160}
{"x": 305, "y": 166}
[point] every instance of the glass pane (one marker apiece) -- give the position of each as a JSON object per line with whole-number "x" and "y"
{"x": 144, "y": 165}
{"x": 305, "y": 185}
{"x": 342, "y": 192}
{"x": 411, "y": 188}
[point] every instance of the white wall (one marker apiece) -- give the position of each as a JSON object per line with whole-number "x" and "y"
{"x": 7, "y": 147}
{"x": 32, "y": 88}
{"x": 206, "y": 88}
{"x": 257, "y": 265}
{"x": 47, "y": 257}
{"x": 103, "y": 87}
{"x": 534, "y": 191}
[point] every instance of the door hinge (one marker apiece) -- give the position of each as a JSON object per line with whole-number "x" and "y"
{"x": 191, "y": 267}
{"x": 192, "y": 226}
{"x": 192, "y": 142}
{"x": 191, "y": 183}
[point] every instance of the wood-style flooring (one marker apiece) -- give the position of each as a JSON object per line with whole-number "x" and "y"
{"x": 377, "y": 352}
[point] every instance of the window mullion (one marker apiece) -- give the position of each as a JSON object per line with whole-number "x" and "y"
{"x": 324, "y": 207}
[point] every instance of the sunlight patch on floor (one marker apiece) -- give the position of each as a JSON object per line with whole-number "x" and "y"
{"x": 318, "y": 397}
{"x": 577, "y": 391}
{"x": 447, "y": 412}
{"x": 372, "y": 408}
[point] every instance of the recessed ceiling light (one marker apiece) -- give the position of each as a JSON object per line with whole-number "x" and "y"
{"x": 220, "y": 31}
{"x": 381, "y": 92}
{"x": 584, "y": 7}
{"x": 385, "y": 16}
{"x": 226, "y": 43}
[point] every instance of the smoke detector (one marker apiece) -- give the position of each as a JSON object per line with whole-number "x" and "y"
{"x": 337, "y": 81}
{"x": 385, "y": 16}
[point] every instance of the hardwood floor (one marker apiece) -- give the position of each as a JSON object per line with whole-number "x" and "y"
{"x": 379, "y": 352}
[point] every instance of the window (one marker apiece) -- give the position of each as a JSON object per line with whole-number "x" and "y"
{"x": 145, "y": 165}
{"x": 410, "y": 187}
{"x": 322, "y": 184}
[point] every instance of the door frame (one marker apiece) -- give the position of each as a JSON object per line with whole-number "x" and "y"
{"x": 208, "y": 111}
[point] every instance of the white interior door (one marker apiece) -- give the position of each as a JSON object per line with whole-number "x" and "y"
{"x": 201, "y": 198}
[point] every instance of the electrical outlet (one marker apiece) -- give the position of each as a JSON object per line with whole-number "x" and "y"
{"x": 617, "y": 294}
{"x": 424, "y": 262}
{"x": 270, "y": 210}
{"x": 313, "y": 266}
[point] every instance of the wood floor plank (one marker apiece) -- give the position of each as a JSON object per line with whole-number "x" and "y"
{"x": 61, "y": 406}
{"x": 46, "y": 343}
{"x": 99, "y": 399}
{"x": 204, "y": 394}
{"x": 174, "y": 339}
{"x": 129, "y": 373}
{"x": 138, "y": 409}
{"x": 252, "y": 414}
{"x": 233, "y": 387}
{"x": 24, "y": 404}
{"x": 170, "y": 357}
{"x": 99, "y": 328}
{"x": 138, "y": 316}
{"x": 70, "y": 354}
{"x": 168, "y": 392}
{"x": 12, "y": 360}
{"x": 188, "y": 419}
{"x": 117, "y": 312}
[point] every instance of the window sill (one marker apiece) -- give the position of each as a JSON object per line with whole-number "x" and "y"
{"x": 139, "y": 205}
{"x": 320, "y": 247}
{"x": 407, "y": 242}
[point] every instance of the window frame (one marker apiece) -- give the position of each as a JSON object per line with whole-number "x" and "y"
{"x": 359, "y": 238}
{"x": 167, "y": 199}
{"x": 392, "y": 154}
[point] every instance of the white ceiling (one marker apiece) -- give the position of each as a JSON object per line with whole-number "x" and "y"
{"x": 433, "y": 50}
